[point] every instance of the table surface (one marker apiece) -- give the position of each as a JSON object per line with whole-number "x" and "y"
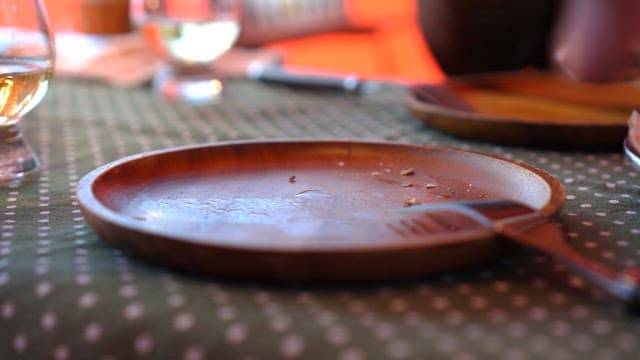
{"x": 65, "y": 294}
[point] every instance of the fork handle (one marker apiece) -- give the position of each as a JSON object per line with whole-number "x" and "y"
{"x": 624, "y": 285}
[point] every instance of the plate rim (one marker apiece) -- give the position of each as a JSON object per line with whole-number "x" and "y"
{"x": 574, "y": 134}
{"x": 91, "y": 206}
{"x": 430, "y": 108}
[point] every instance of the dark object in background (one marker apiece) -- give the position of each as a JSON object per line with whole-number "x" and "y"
{"x": 487, "y": 35}
{"x": 597, "y": 40}
{"x": 105, "y": 16}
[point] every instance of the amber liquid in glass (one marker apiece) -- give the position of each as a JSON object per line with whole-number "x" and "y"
{"x": 23, "y": 84}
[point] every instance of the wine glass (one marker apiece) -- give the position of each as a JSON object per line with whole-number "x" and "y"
{"x": 190, "y": 35}
{"x": 26, "y": 66}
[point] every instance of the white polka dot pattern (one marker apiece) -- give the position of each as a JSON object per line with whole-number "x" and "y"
{"x": 64, "y": 294}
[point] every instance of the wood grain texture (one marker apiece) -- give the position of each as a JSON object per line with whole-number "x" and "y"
{"x": 304, "y": 210}
{"x": 528, "y": 108}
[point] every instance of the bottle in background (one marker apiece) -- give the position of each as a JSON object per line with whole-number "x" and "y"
{"x": 105, "y": 16}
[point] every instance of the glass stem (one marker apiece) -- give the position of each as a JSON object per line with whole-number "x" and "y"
{"x": 16, "y": 156}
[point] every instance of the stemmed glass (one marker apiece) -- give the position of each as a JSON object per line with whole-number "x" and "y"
{"x": 190, "y": 35}
{"x": 26, "y": 66}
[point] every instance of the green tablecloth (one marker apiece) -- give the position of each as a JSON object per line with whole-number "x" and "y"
{"x": 64, "y": 294}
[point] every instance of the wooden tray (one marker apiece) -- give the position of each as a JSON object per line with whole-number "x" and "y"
{"x": 302, "y": 210}
{"x": 528, "y": 108}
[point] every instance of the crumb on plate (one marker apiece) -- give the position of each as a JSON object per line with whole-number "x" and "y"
{"x": 411, "y": 202}
{"x": 407, "y": 172}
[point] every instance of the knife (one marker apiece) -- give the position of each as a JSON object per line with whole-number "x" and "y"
{"x": 531, "y": 228}
{"x": 310, "y": 79}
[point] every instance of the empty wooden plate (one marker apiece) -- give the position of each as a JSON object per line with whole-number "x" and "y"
{"x": 303, "y": 210}
{"x": 528, "y": 108}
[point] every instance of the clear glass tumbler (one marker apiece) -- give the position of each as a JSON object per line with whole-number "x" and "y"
{"x": 190, "y": 35}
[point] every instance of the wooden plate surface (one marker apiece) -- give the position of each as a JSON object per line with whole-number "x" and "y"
{"x": 303, "y": 210}
{"x": 528, "y": 108}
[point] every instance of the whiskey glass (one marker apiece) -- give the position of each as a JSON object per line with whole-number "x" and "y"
{"x": 26, "y": 67}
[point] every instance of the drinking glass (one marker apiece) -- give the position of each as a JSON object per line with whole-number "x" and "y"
{"x": 26, "y": 66}
{"x": 190, "y": 35}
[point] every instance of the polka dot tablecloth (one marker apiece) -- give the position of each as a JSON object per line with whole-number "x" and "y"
{"x": 65, "y": 294}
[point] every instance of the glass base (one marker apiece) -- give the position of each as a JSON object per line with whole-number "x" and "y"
{"x": 17, "y": 158}
{"x": 197, "y": 86}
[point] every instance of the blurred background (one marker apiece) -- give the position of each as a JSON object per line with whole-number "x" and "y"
{"x": 370, "y": 38}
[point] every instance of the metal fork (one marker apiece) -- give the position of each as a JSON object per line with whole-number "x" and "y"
{"x": 526, "y": 226}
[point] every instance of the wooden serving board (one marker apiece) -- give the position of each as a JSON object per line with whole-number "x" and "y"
{"x": 304, "y": 210}
{"x": 528, "y": 108}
